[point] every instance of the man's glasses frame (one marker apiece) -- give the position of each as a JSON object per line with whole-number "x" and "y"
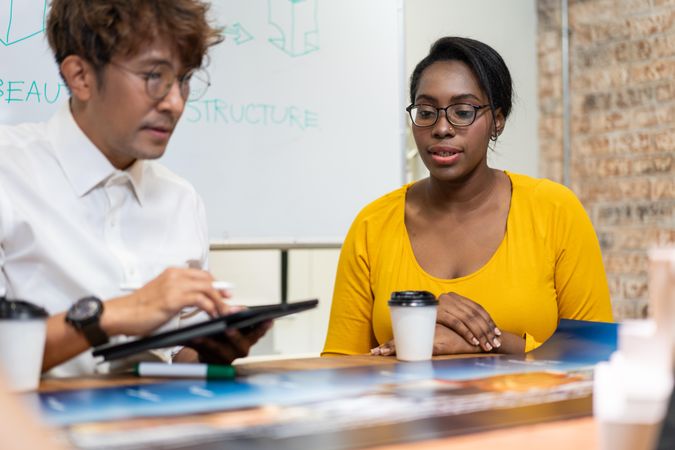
{"x": 161, "y": 77}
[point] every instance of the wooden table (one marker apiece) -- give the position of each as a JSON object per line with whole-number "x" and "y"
{"x": 560, "y": 435}
{"x": 579, "y": 433}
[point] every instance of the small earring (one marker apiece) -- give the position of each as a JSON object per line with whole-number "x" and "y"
{"x": 494, "y": 137}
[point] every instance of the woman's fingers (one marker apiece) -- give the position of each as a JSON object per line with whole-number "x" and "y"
{"x": 468, "y": 319}
{"x": 448, "y": 342}
{"x": 470, "y": 308}
{"x": 452, "y": 322}
{"x": 386, "y": 349}
{"x": 480, "y": 323}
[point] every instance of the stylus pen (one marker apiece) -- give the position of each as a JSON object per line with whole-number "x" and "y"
{"x": 185, "y": 370}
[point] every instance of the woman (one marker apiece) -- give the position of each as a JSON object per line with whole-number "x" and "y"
{"x": 506, "y": 254}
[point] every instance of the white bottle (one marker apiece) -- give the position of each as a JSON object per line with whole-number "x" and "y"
{"x": 632, "y": 390}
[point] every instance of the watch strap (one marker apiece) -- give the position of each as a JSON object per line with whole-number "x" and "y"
{"x": 90, "y": 327}
{"x": 94, "y": 334}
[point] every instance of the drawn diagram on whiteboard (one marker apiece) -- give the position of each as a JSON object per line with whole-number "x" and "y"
{"x": 297, "y": 25}
{"x": 21, "y": 20}
{"x": 238, "y": 33}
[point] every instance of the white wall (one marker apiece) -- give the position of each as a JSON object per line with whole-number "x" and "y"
{"x": 508, "y": 26}
{"x": 256, "y": 276}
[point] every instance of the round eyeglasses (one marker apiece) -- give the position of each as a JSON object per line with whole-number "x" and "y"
{"x": 160, "y": 79}
{"x": 458, "y": 114}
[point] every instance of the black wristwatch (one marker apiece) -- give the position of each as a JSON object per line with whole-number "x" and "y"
{"x": 84, "y": 315}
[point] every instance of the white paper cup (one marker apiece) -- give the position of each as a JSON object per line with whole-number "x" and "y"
{"x": 23, "y": 331}
{"x": 413, "y": 319}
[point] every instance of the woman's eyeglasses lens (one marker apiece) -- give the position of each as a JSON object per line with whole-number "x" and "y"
{"x": 460, "y": 114}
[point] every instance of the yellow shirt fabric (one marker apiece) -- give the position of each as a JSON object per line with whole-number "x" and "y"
{"x": 547, "y": 267}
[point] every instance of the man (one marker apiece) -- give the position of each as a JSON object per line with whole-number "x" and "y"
{"x": 84, "y": 213}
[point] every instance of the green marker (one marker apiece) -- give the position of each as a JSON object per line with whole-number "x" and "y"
{"x": 179, "y": 370}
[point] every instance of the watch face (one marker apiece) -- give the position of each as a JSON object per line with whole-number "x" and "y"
{"x": 84, "y": 309}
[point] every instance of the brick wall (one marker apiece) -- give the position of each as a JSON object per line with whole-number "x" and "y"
{"x": 622, "y": 83}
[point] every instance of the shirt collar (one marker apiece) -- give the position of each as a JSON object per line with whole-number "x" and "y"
{"x": 82, "y": 162}
{"x": 136, "y": 174}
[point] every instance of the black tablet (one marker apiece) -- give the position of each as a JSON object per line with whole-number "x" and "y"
{"x": 181, "y": 336}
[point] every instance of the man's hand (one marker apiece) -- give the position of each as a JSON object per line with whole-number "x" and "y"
{"x": 140, "y": 312}
{"x": 224, "y": 348}
{"x": 151, "y": 306}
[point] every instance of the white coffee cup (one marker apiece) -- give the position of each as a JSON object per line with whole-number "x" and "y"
{"x": 413, "y": 319}
{"x": 23, "y": 330}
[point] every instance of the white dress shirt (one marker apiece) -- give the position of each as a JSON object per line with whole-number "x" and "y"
{"x": 72, "y": 225}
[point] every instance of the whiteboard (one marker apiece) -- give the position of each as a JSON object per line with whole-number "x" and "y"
{"x": 303, "y": 123}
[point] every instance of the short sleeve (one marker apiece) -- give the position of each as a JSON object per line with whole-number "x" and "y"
{"x": 350, "y": 327}
{"x": 530, "y": 343}
{"x": 580, "y": 280}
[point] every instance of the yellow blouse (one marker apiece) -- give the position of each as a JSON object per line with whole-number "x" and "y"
{"x": 547, "y": 267}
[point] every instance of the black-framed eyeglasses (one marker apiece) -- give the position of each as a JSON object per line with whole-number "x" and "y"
{"x": 160, "y": 79}
{"x": 458, "y": 114}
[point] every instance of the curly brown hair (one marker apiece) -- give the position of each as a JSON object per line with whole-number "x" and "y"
{"x": 97, "y": 30}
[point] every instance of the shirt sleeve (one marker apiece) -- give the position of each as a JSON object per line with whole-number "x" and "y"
{"x": 530, "y": 342}
{"x": 580, "y": 280}
{"x": 5, "y": 213}
{"x": 350, "y": 328}
{"x": 202, "y": 226}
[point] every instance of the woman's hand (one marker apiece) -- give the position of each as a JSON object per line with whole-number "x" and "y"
{"x": 446, "y": 342}
{"x": 457, "y": 317}
{"x": 469, "y": 320}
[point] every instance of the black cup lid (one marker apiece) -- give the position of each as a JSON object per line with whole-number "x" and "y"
{"x": 412, "y": 298}
{"x": 20, "y": 310}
